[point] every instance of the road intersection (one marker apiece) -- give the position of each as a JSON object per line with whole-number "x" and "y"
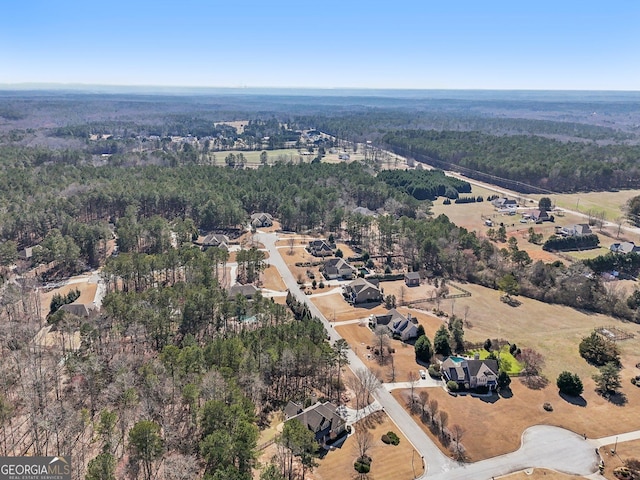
{"x": 543, "y": 446}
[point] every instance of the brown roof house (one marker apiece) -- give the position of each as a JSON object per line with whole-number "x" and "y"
{"x": 469, "y": 373}
{"x": 247, "y": 291}
{"x": 362, "y": 291}
{"x": 322, "y": 419}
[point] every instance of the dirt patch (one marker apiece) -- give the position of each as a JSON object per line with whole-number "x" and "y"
{"x": 389, "y": 461}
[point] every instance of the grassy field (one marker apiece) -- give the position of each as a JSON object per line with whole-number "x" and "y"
{"x": 611, "y": 203}
{"x": 514, "y": 367}
{"x": 286, "y": 155}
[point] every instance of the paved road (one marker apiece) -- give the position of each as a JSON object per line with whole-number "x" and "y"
{"x": 542, "y": 446}
{"x": 436, "y": 461}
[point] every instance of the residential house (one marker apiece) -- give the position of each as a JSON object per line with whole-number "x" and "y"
{"x": 344, "y": 156}
{"x": 362, "y": 291}
{"x": 79, "y": 309}
{"x": 404, "y": 328}
{"x": 337, "y": 268}
{"x": 215, "y": 240}
{"x": 469, "y": 373}
{"x": 247, "y": 291}
{"x": 322, "y": 419}
{"x": 25, "y": 253}
{"x": 412, "y": 279}
{"x": 625, "y": 247}
{"x": 502, "y": 203}
{"x": 540, "y": 216}
{"x": 365, "y": 211}
{"x": 320, "y": 248}
{"x": 261, "y": 220}
{"x": 577, "y": 230}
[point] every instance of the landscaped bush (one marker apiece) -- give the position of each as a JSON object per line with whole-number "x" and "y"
{"x": 363, "y": 464}
{"x": 452, "y": 386}
{"x": 569, "y": 384}
{"x": 547, "y": 406}
{"x": 434, "y": 371}
{"x": 390, "y": 438}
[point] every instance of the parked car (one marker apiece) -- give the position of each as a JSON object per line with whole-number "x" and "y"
{"x": 423, "y": 374}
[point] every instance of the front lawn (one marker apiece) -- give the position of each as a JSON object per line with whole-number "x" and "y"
{"x": 508, "y": 362}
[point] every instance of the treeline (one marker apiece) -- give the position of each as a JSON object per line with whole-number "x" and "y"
{"x": 531, "y": 160}
{"x": 575, "y": 242}
{"x": 425, "y": 184}
{"x": 37, "y": 200}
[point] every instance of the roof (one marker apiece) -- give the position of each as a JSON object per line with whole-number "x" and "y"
{"x": 624, "y": 247}
{"x": 412, "y": 275}
{"x": 318, "y": 417}
{"x": 392, "y": 316}
{"x": 215, "y": 240}
{"x": 244, "y": 290}
{"x": 360, "y": 284}
{"x": 462, "y": 371}
{"x": 292, "y": 409}
{"x": 79, "y": 309}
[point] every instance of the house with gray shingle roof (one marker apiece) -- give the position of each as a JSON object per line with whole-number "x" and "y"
{"x": 469, "y": 373}
{"x": 322, "y": 419}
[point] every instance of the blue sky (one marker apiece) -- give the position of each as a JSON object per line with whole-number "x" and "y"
{"x": 516, "y": 44}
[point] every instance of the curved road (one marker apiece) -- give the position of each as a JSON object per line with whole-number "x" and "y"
{"x": 542, "y": 446}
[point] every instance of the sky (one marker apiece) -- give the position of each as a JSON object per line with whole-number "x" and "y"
{"x": 491, "y": 44}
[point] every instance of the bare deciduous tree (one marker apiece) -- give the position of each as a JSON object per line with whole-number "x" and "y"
{"x": 364, "y": 441}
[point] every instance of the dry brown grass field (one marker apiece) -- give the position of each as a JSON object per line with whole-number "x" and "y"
{"x": 623, "y": 451}
{"x": 271, "y": 279}
{"x": 87, "y": 292}
{"x": 539, "y": 474}
{"x": 553, "y": 330}
{"x": 389, "y": 461}
{"x": 494, "y": 425}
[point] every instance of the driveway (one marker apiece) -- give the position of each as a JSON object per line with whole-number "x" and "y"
{"x": 542, "y": 446}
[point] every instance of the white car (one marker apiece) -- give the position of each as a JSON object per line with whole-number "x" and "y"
{"x": 423, "y": 374}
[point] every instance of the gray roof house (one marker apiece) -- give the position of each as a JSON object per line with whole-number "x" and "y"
{"x": 403, "y": 327}
{"x": 248, "y": 291}
{"x": 504, "y": 203}
{"x": 576, "y": 230}
{"x": 471, "y": 373}
{"x": 625, "y": 247}
{"x": 322, "y": 419}
{"x": 259, "y": 220}
{"x": 320, "y": 248}
{"x": 216, "y": 240}
{"x": 362, "y": 291}
{"x": 337, "y": 268}
{"x": 412, "y": 279}
{"x": 79, "y": 309}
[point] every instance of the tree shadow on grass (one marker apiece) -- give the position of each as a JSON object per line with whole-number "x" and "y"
{"x": 506, "y": 392}
{"x": 579, "y": 400}
{"x": 535, "y": 382}
{"x": 618, "y": 399}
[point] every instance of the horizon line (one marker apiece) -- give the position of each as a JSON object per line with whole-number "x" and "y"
{"x": 80, "y": 86}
